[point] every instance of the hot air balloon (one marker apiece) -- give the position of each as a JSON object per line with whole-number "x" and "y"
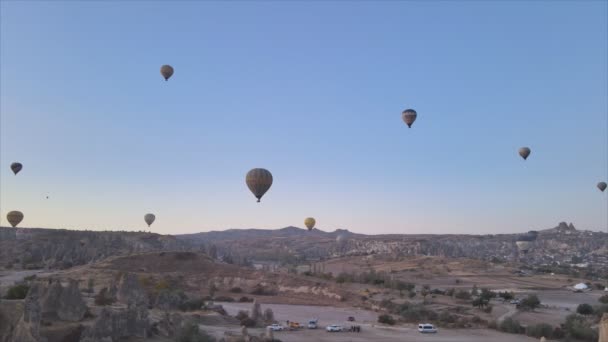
{"x": 258, "y": 181}
{"x": 14, "y": 218}
{"x": 309, "y": 222}
{"x": 524, "y": 152}
{"x": 16, "y": 167}
{"x": 166, "y": 71}
{"x": 149, "y": 218}
{"x": 602, "y": 186}
{"x": 409, "y": 116}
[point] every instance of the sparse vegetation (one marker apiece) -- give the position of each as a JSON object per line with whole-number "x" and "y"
{"x": 223, "y": 299}
{"x": 584, "y": 309}
{"x": 604, "y": 299}
{"x": 386, "y": 319}
{"x": 17, "y": 292}
{"x": 540, "y": 330}
{"x": 192, "y": 304}
{"x": 103, "y": 298}
{"x": 577, "y": 327}
{"x": 510, "y": 325}
{"x": 191, "y": 333}
{"x": 530, "y": 303}
{"x": 461, "y": 294}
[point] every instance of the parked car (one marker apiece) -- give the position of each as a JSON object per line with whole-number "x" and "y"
{"x": 351, "y": 318}
{"x": 515, "y": 301}
{"x": 334, "y": 328}
{"x": 312, "y": 324}
{"x": 276, "y": 327}
{"x": 426, "y": 328}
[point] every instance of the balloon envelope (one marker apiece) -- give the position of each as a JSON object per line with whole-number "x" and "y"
{"x": 309, "y": 222}
{"x": 149, "y": 218}
{"x": 602, "y": 186}
{"x": 166, "y": 71}
{"x": 409, "y": 116}
{"x": 258, "y": 181}
{"x": 16, "y": 167}
{"x": 524, "y": 152}
{"x": 14, "y": 218}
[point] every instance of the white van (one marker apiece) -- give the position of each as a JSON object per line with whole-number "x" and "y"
{"x": 426, "y": 328}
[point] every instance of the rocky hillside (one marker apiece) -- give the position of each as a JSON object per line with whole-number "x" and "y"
{"x": 59, "y": 248}
{"x": 51, "y": 248}
{"x": 560, "y": 245}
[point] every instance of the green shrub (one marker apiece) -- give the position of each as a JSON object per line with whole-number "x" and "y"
{"x": 192, "y": 304}
{"x": 245, "y": 299}
{"x": 584, "y": 309}
{"x": 577, "y": 327}
{"x": 248, "y": 322}
{"x": 191, "y": 333}
{"x": 103, "y": 297}
{"x": 530, "y": 303}
{"x": 604, "y": 299}
{"x": 224, "y": 299}
{"x": 510, "y": 325}
{"x": 540, "y": 330}
{"x": 17, "y": 292}
{"x": 236, "y": 290}
{"x": 386, "y": 319}
{"x": 463, "y": 295}
{"x": 241, "y": 315}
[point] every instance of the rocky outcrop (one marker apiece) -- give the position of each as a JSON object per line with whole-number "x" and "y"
{"x": 60, "y": 248}
{"x": 115, "y": 324}
{"x": 130, "y": 291}
{"x": 61, "y": 303}
{"x": 604, "y": 329}
{"x": 28, "y": 327}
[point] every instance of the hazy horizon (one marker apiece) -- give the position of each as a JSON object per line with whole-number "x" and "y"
{"x": 312, "y": 92}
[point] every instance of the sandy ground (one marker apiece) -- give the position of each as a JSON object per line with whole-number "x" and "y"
{"x": 371, "y": 331}
{"x": 303, "y": 313}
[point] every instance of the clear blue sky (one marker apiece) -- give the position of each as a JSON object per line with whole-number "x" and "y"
{"x": 312, "y": 91}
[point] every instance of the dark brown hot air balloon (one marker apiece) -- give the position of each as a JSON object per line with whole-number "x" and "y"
{"x": 258, "y": 181}
{"x": 524, "y": 152}
{"x": 310, "y": 222}
{"x": 409, "y": 116}
{"x": 602, "y": 186}
{"x": 149, "y": 218}
{"x": 14, "y": 218}
{"x": 16, "y": 167}
{"x": 166, "y": 71}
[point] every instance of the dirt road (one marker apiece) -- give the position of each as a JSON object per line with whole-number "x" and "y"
{"x": 370, "y": 330}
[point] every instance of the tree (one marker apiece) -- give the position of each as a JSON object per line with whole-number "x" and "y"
{"x": 17, "y": 292}
{"x": 386, "y": 319}
{"x": 577, "y": 327}
{"x": 256, "y": 311}
{"x": 213, "y": 252}
{"x": 479, "y": 302}
{"x": 584, "y": 309}
{"x": 474, "y": 290}
{"x": 90, "y": 285}
{"x": 506, "y": 295}
{"x": 191, "y": 333}
{"x": 530, "y": 303}
{"x": 487, "y": 294}
{"x": 268, "y": 315}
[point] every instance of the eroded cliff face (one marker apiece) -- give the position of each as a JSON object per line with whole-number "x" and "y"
{"x": 59, "y": 248}
{"x": 604, "y": 328}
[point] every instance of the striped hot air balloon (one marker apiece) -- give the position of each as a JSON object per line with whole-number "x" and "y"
{"x": 258, "y": 181}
